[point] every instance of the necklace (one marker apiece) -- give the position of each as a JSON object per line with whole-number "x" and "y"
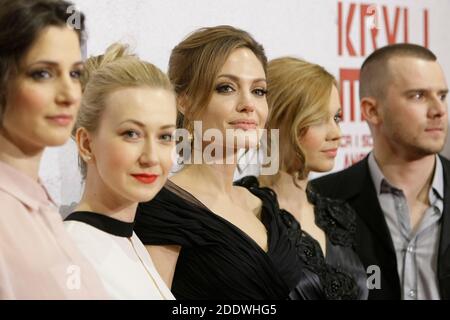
{"x": 147, "y": 271}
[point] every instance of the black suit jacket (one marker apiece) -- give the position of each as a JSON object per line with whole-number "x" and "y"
{"x": 373, "y": 240}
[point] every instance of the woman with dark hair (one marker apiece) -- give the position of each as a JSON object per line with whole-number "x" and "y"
{"x": 40, "y": 91}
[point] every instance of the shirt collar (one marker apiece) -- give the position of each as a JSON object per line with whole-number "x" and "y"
{"x": 375, "y": 172}
{"x": 437, "y": 185}
{"x": 103, "y": 223}
{"x": 22, "y": 187}
{"x": 438, "y": 179}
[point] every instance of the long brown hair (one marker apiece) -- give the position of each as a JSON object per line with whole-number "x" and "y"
{"x": 196, "y": 61}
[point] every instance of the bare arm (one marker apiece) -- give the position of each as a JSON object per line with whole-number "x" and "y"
{"x": 165, "y": 260}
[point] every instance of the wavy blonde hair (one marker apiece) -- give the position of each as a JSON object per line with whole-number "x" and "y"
{"x": 298, "y": 97}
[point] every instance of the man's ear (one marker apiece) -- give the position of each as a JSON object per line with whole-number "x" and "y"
{"x": 84, "y": 144}
{"x": 370, "y": 110}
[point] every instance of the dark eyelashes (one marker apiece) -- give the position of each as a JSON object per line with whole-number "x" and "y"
{"x": 224, "y": 88}
{"x": 167, "y": 137}
{"x": 227, "y": 88}
{"x": 131, "y": 134}
{"x": 77, "y": 74}
{"x": 40, "y": 74}
{"x": 134, "y": 135}
{"x": 262, "y": 92}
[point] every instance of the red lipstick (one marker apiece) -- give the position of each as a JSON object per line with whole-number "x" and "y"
{"x": 145, "y": 178}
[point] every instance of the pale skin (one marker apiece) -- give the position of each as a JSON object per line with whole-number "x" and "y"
{"x": 240, "y": 94}
{"x": 134, "y": 136}
{"x": 316, "y": 145}
{"x": 46, "y": 87}
{"x": 409, "y": 127}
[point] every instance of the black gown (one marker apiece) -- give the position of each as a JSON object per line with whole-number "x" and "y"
{"x": 340, "y": 275}
{"x": 218, "y": 260}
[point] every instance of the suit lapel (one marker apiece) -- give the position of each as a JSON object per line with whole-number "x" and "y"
{"x": 366, "y": 204}
{"x": 444, "y": 243}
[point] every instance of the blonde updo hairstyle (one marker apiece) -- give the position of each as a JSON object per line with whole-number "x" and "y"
{"x": 104, "y": 74}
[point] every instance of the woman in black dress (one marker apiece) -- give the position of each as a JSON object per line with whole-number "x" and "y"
{"x": 304, "y": 105}
{"x": 208, "y": 238}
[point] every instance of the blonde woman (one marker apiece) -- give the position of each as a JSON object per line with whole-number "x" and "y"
{"x": 124, "y": 134}
{"x": 304, "y": 105}
{"x": 209, "y": 238}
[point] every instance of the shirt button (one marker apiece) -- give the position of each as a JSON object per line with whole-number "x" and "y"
{"x": 412, "y": 293}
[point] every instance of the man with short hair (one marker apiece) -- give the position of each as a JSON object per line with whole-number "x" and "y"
{"x": 400, "y": 191}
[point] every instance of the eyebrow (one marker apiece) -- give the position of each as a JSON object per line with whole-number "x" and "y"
{"x": 425, "y": 89}
{"x": 142, "y": 125}
{"x": 236, "y": 78}
{"x": 55, "y": 64}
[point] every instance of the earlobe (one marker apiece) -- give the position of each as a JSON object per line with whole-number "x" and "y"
{"x": 83, "y": 140}
{"x": 182, "y": 103}
{"x": 369, "y": 110}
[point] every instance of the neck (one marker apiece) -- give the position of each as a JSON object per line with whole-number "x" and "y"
{"x": 98, "y": 198}
{"x": 285, "y": 187}
{"x": 217, "y": 176}
{"x": 26, "y": 160}
{"x": 410, "y": 175}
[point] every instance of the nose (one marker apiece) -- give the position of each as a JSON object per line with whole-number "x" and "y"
{"x": 149, "y": 155}
{"x": 334, "y": 131}
{"x": 246, "y": 103}
{"x": 69, "y": 91}
{"x": 438, "y": 107}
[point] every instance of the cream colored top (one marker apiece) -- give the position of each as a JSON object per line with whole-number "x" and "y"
{"x": 120, "y": 258}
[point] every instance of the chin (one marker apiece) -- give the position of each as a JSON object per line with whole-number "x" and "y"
{"x": 55, "y": 137}
{"x": 247, "y": 145}
{"x": 325, "y": 167}
{"x": 56, "y": 141}
{"x": 246, "y": 139}
{"x": 429, "y": 148}
{"x": 146, "y": 194}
